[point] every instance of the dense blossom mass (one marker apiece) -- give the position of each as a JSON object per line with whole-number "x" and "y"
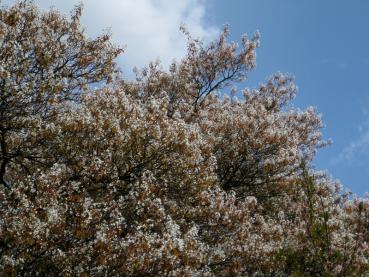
{"x": 165, "y": 175}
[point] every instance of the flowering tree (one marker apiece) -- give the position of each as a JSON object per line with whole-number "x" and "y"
{"x": 45, "y": 59}
{"x": 163, "y": 175}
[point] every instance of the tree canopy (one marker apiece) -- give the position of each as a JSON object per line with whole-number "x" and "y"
{"x": 168, "y": 174}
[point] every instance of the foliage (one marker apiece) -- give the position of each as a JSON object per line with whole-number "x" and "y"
{"x": 163, "y": 175}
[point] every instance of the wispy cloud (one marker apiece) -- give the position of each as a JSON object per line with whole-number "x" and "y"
{"x": 358, "y": 148}
{"x": 148, "y": 28}
{"x": 342, "y": 65}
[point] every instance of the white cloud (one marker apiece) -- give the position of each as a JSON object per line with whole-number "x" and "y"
{"x": 148, "y": 28}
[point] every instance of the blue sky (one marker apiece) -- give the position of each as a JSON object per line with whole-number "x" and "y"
{"x": 325, "y": 44}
